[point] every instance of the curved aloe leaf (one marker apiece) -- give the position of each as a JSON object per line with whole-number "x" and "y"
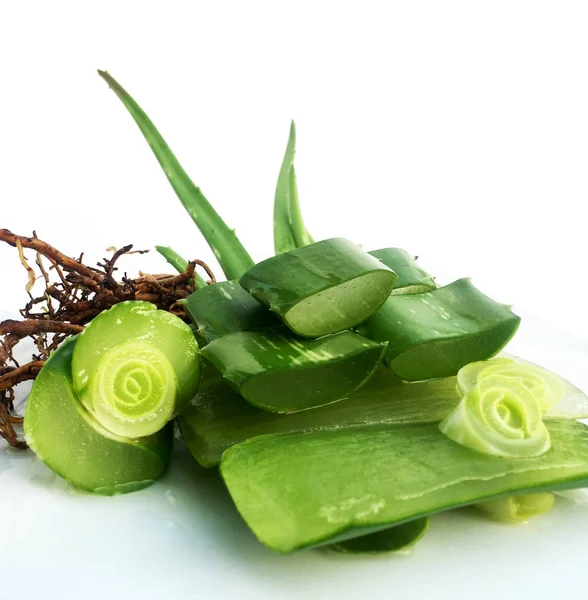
{"x": 289, "y": 229}
{"x": 230, "y": 253}
{"x": 74, "y": 445}
{"x": 179, "y": 263}
{"x": 301, "y": 490}
{"x": 436, "y": 333}
{"x": 322, "y": 288}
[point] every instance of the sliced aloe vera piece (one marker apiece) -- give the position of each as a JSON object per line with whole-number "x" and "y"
{"x": 225, "y": 307}
{"x": 218, "y": 418}
{"x": 434, "y": 334}
{"x": 395, "y": 539}
{"x": 557, "y": 397}
{"x": 289, "y": 229}
{"x": 230, "y": 253}
{"x": 74, "y": 445}
{"x": 322, "y": 288}
{"x": 301, "y": 490}
{"x": 134, "y": 366}
{"x": 517, "y": 509}
{"x": 411, "y": 278}
{"x": 275, "y": 371}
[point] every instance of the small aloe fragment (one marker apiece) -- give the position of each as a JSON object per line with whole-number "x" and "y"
{"x": 179, "y": 263}
{"x": 65, "y": 436}
{"x": 411, "y": 278}
{"x": 499, "y": 416}
{"x": 230, "y": 253}
{"x": 323, "y": 288}
{"x": 517, "y": 509}
{"x": 289, "y": 229}
{"x": 395, "y": 539}
{"x": 436, "y": 333}
{"x": 134, "y": 366}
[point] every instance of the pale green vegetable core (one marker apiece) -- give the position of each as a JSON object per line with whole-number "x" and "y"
{"x": 516, "y": 509}
{"x": 339, "y": 307}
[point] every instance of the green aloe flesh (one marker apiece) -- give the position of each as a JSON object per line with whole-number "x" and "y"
{"x": 280, "y": 373}
{"x": 322, "y": 288}
{"x": 411, "y": 278}
{"x": 394, "y": 539}
{"x": 225, "y": 307}
{"x": 289, "y": 229}
{"x": 134, "y": 366}
{"x": 557, "y": 397}
{"x": 436, "y": 333}
{"x": 218, "y": 418}
{"x": 74, "y": 445}
{"x": 231, "y": 255}
{"x": 179, "y": 263}
{"x": 370, "y": 478}
{"x": 518, "y": 509}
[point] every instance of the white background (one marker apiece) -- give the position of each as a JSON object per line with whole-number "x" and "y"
{"x": 458, "y": 130}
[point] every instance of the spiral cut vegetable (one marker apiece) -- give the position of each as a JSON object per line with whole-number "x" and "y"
{"x": 133, "y": 366}
{"x": 499, "y": 416}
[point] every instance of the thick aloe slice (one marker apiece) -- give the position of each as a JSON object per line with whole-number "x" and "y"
{"x": 411, "y": 278}
{"x": 322, "y": 288}
{"x": 434, "y": 334}
{"x": 397, "y": 538}
{"x": 224, "y": 308}
{"x": 275, "y": 371}
{"x": 301, "y": 490}
{"x": 134, "y": 366}
{"x": 74, "y": 445}
{"x": 218, "y": 418}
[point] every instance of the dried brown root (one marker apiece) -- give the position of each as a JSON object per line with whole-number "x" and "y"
{"x": 70, "y": 300}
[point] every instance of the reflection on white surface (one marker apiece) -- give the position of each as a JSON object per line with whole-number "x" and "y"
{"x": 182, "y": 538}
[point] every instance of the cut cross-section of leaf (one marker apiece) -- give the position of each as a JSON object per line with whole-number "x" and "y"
{"x": 434, "y": 334}
{"x": 322, "y": 288}
{"x": 411, "y": 278}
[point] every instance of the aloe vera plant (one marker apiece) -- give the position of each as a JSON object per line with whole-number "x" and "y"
{"x": 69, "y": 440}
{"x": 517, "y": 509}
{"x": 376, "y": 477}
{"x": 179, "y": 264}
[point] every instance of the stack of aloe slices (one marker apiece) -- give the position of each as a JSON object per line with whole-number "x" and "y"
{"x": 344, "y": 396}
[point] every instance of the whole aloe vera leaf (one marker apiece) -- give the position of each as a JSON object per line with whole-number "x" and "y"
{"x": 218, "y": 418}
{"x": 394, "y": 539}
{"x": 179, "y": 263}
{"x": 302, "y": 490}
{"x": 411, "y": 278}
{"x": 289, "y": 229}
{"x": 230, "y": 253}
{"x": 323, "y": 288}
{"x": 436, "y": 333}
{"x": 74, "y": 445}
